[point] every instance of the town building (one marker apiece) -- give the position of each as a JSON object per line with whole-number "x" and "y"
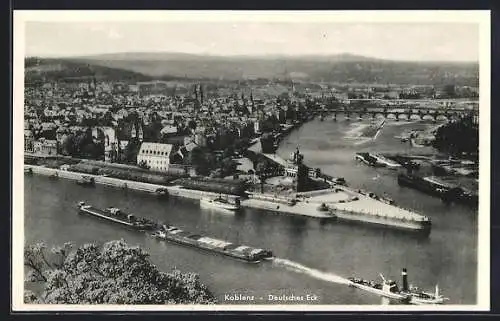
{"x": 28, "y": 141}
{"x": 155, "y": 155}
{"x": 45, "y": 147}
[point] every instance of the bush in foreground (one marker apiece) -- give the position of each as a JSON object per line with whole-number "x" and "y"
{"x": 114, "y": 273}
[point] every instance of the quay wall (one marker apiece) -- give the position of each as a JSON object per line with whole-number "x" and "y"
{"x": 268, "y": 198}
{"x": 267, "y": 203}
{"x": 270, "y": 204}
{"x": 316, "y": 193}
{"x": 382, "y": 221}
{"x": 115, "y": 182}
{"x": 120, "y": 183}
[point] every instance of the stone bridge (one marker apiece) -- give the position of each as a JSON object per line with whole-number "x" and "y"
{"x": 401, "y": 113}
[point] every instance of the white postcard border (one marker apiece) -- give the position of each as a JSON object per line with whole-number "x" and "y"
{"x": 481, "y": 17}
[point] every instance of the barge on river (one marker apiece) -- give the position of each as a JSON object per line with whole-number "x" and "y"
{"x": 237, "y": 251}
{"x": 177, "y": 235}
{"x": 434, "y": 186}
{"x": 116, "y": 215}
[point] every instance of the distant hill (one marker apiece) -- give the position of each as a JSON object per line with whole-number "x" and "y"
{"x": 343, "y": 68}
{"x": 51, "y": 69}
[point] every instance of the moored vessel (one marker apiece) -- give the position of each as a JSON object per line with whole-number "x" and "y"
{"x": 385, "y": 161}
{"x": 220, "y": 203}
{"x": 432, "y": 186}
{"x": 368, "y": 159}
{"x": 86, "y": 181}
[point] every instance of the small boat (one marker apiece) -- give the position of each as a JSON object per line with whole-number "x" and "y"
{"x": 162, "y": 192}
{"x": 54, "y": 176}
{"x": 86, "y": 181}
{"x": 28, "y": 171}
{"x": 220, "y": 203}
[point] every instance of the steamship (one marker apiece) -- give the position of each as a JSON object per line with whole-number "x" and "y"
{"x": 389, "y": 289}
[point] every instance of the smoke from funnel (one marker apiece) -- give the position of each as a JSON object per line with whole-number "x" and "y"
{"x": 404, "y": 274}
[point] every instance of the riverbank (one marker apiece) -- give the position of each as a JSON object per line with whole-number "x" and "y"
{"x": 173, "y": 190}
{"x": 333, "y": 203}
{"x": 309, "y": 210}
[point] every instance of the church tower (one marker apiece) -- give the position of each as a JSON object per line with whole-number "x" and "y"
{"x": 140, "y": 133}
{"x": 201, "y": 94}
{"x": 133, "y": 132}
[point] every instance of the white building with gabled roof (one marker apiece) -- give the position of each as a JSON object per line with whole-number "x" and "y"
{"x": 155, "y": 155}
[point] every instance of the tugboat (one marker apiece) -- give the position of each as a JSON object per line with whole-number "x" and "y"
{"x": 389, "y": 289}
{"x": 220, "y": 203}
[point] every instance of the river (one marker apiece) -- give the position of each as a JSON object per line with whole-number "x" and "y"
{"x": 314, "y": 257}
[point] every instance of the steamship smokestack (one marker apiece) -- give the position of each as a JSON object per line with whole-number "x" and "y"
{"x": 404, "y": 274}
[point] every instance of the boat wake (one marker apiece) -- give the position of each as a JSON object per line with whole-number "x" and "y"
{"x": 317, "y": 274}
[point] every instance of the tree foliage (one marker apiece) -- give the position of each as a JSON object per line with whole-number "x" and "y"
{"x": 458, "y": 137}
{"x": 131, "y": 151}
{"x": 114, "y": 273}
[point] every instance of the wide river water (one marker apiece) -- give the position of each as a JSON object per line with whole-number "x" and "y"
{"x": 314, "y": 256}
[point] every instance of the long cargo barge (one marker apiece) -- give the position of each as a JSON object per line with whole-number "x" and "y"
{"x": 237, "y": 251}
{"x": 116, "y": 215}
{"x": 176, "y": 235}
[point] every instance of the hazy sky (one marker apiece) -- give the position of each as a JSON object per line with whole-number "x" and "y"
{"x": 399, "y": 41}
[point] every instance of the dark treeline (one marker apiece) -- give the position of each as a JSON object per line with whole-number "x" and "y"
{"x": 458, "y": 138}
